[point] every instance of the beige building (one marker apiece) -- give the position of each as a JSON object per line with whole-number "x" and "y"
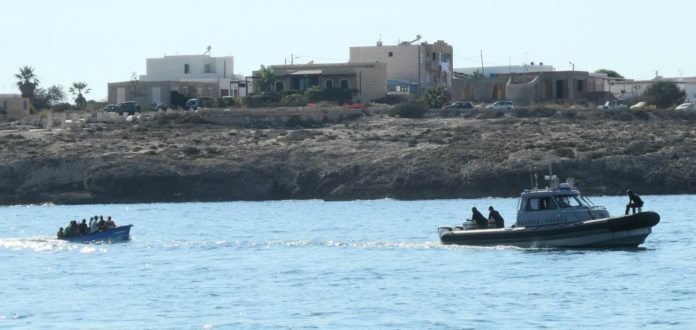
{"x": 410, "y": 65}
{"x": 14, "y": 107}
{"x": 368, "y": 80}
{"x": 535, "y": 87}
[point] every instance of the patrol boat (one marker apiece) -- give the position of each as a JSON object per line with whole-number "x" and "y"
{"x": 558, "y": 216}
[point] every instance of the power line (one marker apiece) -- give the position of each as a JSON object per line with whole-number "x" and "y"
{"x": 479, "y": 60}
{"x": 320, "y": 58}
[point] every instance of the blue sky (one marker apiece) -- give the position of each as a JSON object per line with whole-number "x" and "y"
{"x": 106, "y": 41}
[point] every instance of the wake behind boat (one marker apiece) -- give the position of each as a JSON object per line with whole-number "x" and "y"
{"x": 558, "y": 216}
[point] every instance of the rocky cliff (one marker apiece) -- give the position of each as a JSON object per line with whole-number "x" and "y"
{"x": 474, "y": 154}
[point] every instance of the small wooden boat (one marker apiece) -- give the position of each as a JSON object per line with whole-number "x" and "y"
{"x": 118, "y": 234}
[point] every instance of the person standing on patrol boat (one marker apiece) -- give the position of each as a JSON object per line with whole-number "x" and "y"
{"x": 634, "y": 202}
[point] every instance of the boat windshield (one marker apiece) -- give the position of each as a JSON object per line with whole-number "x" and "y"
{"x": 587, "y": 201}
{"x": 569, "y": 201}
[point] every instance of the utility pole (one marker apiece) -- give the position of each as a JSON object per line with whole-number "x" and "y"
{"x": 483, "y": 73}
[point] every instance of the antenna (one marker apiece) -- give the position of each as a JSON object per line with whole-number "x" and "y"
{"x": 207, "y": 50}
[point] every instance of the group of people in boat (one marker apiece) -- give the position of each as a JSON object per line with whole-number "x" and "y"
{"x": 96, "y": 224}
{"x": 494, "y": 218}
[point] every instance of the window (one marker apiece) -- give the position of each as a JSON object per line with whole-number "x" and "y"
{"x": 186, "y": 69}
{"x": 581, "y": 85}
{"x": 568, "y": 201}
{"x": 24, "y": 105}
{"x": 279, "y": 86}
{"x": 344, "y": 84}
{"x": 540, "y": 204}
{"x": 207, "y": 68}
{"x": 391, "y": 54}
{"x": 4, "y": 106}
{"x": 328, "y": 84}
{"x": 434, "y": 56}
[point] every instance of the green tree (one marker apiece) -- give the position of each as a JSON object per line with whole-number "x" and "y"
{"x": 28, "y": 82}
{"x": 266, "y": 78}
{"x": 664, "y": 94}
{"x": 610, "y": 73}
{"x": 47, "y": 98}
{"x": 76, "y": 90}
{"x": 437, "y": 96}
{"x": 477, "y": 74}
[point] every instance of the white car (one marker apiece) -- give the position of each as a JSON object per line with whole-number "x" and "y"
{"x": 612, "y": 105}
{"x": 686, "y": 106}
{"x": 498, "y": 105}
{"x": 642, "y": 106}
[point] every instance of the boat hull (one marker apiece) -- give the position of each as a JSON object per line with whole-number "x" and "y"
{"x": 624, "y": 231}
{"x": 118, "y": 234}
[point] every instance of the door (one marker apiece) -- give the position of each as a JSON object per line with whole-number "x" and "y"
{"x": 559, "y": 89}
{"x": 156, "y": 95}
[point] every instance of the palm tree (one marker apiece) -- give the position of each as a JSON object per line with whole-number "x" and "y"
{"x": 266, "y": 78}
{"x": 437, "y": 96}
{"x": 76, "y": 89}
{"x": 27, "y": 81}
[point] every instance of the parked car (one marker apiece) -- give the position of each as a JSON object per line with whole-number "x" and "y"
{"x": 613, "y": 104}
{"x": 192, "y": 104}
{"x": 686, "y": 106}
{"x": 110, "y": 108}
{"x": 130, "y": 107}
{"x": 499, "y": 105}
{"x": 642, "y": 106}
{"x": 459, "y": 105}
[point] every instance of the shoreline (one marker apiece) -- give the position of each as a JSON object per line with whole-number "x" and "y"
{"x": 190, "y": 157}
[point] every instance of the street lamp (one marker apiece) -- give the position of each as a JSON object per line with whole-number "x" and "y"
{"x": 573, "y": 64}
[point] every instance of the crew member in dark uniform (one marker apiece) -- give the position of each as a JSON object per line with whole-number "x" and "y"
{"x": 633, "y": 202}
{"x": 495, "y": 216}
{"x": 477, "y": 217}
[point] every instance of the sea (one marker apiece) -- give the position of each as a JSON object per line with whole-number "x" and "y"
{"x": 312, "y": 264}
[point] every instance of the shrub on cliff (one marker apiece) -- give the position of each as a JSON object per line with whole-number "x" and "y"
{"x": 410, "y": 109}
{"x": 261, "y": 100}
{"x": 294, "y": 100}
{"x": 391, "y": 99}
{"x": 334, "y": 95}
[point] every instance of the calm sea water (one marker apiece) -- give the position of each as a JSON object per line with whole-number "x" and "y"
{"x": 315, "y": 264}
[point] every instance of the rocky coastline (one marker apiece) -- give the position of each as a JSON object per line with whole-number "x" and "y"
{"x": 361, "y": 155}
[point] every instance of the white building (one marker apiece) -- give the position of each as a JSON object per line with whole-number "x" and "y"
{"x": 188, "y": 75}
{"x": 493, "y": 71}
{"x": 629, "y": 89}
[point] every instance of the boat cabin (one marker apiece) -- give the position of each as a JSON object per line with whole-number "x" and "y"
{"x": 556, "y": 204}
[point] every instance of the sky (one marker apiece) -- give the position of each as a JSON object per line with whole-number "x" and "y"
{"x": 98, "y": 42}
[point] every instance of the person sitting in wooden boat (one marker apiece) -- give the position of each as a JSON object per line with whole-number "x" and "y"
{"x": 101, "y": 224}
{"x": 60, "y": 233}
{"x": 71, "y": 229}
{"x": 478, "y": 218}
{"x": 93, "y": 228}
{"x": 495, "y": 216}
{"x": 109, "y": 224}
{"x": 84, "y": 229}
{"x": 634, "y": 202}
